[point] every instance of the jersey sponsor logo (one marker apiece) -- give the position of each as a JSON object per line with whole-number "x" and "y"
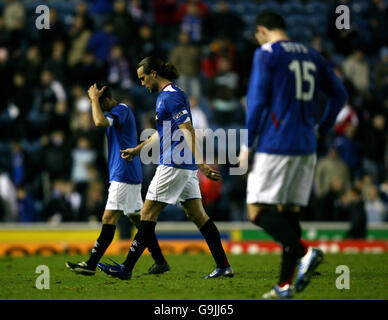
{"x": 179, "y": 114}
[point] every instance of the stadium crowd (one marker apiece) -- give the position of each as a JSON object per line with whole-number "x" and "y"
{"x": 53, "y": 160}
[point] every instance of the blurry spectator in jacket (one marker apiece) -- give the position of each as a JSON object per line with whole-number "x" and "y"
{"x": 356, "y": 69}
{"x": 377, "y": 14}
{"x": 347, "y": 116}
{"x": 353, "y": 204}
{"x": 49, "y": 98}
{"x": 375, "y": 207}
{"x": 186, "y": 56}
{"x": 165, "y": 21}
{"x": 88, "y": 68}
{"x": 194, "y": 16}
{"x": 147, "y": 45}
{"x": 64, "y": 203}
{"x": 57, "y": 62}
{"x": 103, "y": 40}
{"x": 136, "y": 10}
{"x": 119, "y": 76}
{"x": 82, "y": 157}
{"x": 8, "y": 197}
{"x": 350, "y": 150}
{"x": 56, "y": 158}
{"x": 374, "y": 140}
{"x": 47, "y": 37}
{"x": 328, "y": 169}
{"x": 226, "y": 23}
{"x": 79, "y": 39}
{"x": 26, "y": 205}
{"x": 223, "y": 94}
{"x": 381, "y": 76}
{"x": 125, "y": 26}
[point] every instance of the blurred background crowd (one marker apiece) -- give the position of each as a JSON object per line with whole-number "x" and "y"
{"x": 53, "y": 159}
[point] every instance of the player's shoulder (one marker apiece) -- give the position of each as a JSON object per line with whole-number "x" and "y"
{"x": 123, "y": 109}
{"x": 172, "y": 94}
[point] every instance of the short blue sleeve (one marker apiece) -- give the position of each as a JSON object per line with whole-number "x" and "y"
{"x": 119, "y": 115}
{"x": 176, "y": 105}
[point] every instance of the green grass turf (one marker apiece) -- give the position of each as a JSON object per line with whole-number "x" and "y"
{"x": 254, "y": 275}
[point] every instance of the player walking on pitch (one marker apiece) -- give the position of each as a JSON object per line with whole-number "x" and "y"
{"x": 281, "y": 105}
{"x": 125, "y": 178}
{"x": 173, "y": 181}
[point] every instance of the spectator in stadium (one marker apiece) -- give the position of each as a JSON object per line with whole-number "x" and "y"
{"x": 79, "y": 35}
{"x": 102, "y": 40}
{"x": 376, "y": 209}
{"x": 125, "y": 27}
{"x": 88, "y": 68}
{"x": 225, "y": 23}
{"x": 56, "y": 158}
{"x": 147, "y": 44}
{"x": 374, "y": 140}
{"x": 353, "y": 204}
{"x": 193, "y": 16}
{"x": 199, "y": 117}
{"x": 223, "y": 91}
{"x": 135, "y": 8}
{"x": 82, "y": 10}
{"x": 57, "y": 62}
{"x": 377, "y": 16}
{"x": 186, "y": 56}
{"x": 119, "y": 76}
{"x": 347, "y": 116}
{"x": 26, "y": 205}
{"x": 357, "y": 70}
{"x": 8, "y": 197}
{"x": 381, "y": 76}
{"x": 82, "y": 157}
{"x": 31, "y": 65}
{"x": 349, "y": 149}
{"x": 164, "y": 18}
{"x": 47, "y": 37}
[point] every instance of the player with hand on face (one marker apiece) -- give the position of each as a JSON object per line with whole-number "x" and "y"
{"x": 282, "y": 97}
{"x": 125, "y": 178}
{"x": 174, "y": 180}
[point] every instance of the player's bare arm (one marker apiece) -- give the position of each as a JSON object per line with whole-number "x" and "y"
{"x": 189, "y": 134}
{"x": 98, "y": 116}
{"x": 130, "y": 153}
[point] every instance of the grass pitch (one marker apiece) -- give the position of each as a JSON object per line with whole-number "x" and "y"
{"x": 254, "y": 275}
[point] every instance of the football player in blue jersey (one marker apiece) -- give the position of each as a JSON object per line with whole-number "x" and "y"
{"x": 124, "y": 195}
{"x": 285, "y": 80}
{"x": 176, "y": 178}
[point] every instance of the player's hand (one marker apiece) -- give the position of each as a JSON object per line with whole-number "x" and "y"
{"x": 209, "y": 172}
{"x": 129, "y": 154}
{"x": 94, "y": 93}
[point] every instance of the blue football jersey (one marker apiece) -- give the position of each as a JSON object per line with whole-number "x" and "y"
{"x": 173, "y": 109}
{"x": 282, "y": 98}
{"x": 121, "y": 135}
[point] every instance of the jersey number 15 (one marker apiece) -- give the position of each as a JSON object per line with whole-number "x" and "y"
{"x": 303, "y": 72}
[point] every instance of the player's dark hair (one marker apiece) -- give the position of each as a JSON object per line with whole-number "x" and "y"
{"x": 164, "y": 69}
{"x": 271, "y": 20}
{"x": 105, "y": 94}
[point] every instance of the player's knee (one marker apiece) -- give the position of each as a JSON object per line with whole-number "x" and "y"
{"x": 255, "y": 210}
{"x": 110, "y": 217}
